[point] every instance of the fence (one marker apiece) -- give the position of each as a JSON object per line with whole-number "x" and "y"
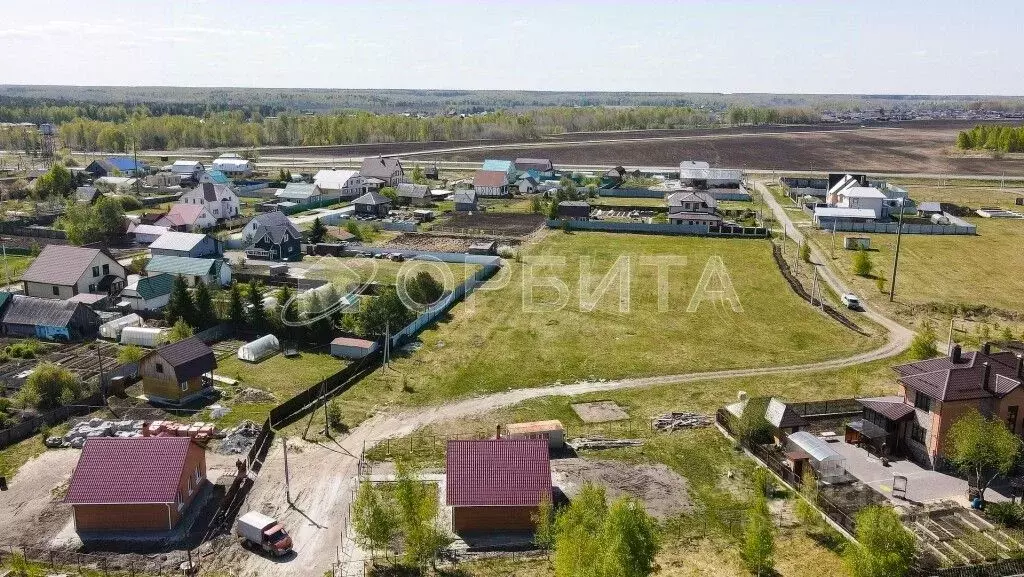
{"x": 157, "y": 200}
{"x": 630, "y": 193}
{"x": 830, "y": 407}
{"x": 669, "y": 229}
{"x": 27, "y": 428}
{"x": 965, "y": 228}
{"x": 999, "y": 569}
{"x": 60, "y": 561}
{"x": 17, "y": 229}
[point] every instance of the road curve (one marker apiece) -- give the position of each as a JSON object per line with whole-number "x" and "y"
{"x": 323, "y": 476}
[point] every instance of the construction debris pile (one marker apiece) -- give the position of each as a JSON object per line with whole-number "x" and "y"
{"x": 603, "y": 443}
{"x": 75, "y": 438}
{"x": 251, "y": 395}
{"x": 239, "y": 439}
{"x": 677, "y": 421}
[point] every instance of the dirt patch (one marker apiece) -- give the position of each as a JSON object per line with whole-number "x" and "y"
{"x": 600, "y": 412}
{"x": 433, "y": 242}
{"x": 663, "y": 491}
{"x": 492, "y": 223}
{"x": 34, "y": 498}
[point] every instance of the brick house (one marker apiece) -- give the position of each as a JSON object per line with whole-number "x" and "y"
{"x": 496, "y": 485}
{"x": 135, "y": 484}
{"x": 933, "y": 394}
{"x": 175, "y": 373}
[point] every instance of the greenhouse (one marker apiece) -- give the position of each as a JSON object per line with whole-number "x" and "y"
{"x": 142, "y": 336}
{"x": 261, "y": 348}
{"x": 112, "y": 329}
{"x": 828, "y": 465}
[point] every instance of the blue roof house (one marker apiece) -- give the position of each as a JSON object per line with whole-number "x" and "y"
{"x": 129, "y": 166}
{"x": 506, "y": 166}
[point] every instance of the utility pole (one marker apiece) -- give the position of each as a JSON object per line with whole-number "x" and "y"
{"x": 833, "y": 239}
{"x": 949, "y": 342}
{"x": 896, "y": 259}
{"x": 287, "y": 483}
{"x": 323, "y": 395}
{"x": 7, "y": 273}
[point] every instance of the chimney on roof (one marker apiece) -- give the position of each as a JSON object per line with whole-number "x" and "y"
{"x": 985, "y": 378}
{"x": 955, "y": 355}
{"x": 986, "y": 348}
{"x": 1020, "y": 366}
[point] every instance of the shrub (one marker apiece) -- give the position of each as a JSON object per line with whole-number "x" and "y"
{"x": 50, "y": 386}
{"x": 1006, "y": 514}
{"x": 862, "y": 263}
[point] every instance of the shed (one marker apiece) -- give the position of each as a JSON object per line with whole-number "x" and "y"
{"x": 856, "y": 242}
{"x": 135, "y": 484}
{"x": 177, "y": 372}
{"x": 352, "y": 348}
{"x": 48, "y": 319}
{"x": 262, "y": 348}
{"x": 828, "y": 465}
{"x": 465, "y": 201}
{"x": 496, "y": 485}
{"x": 373, "y": 204}
{"x": 112, "y": 330}
{"x": 574, "y": 210}
{"x": 552, "y": 431}
{"x": 484, "y": 247}
{"x": 148, "y": 337}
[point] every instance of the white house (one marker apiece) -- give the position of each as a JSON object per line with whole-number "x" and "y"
{"x": 344, "y": 184}
{"x": 62, "y": 271}
{"x": 700, "y": 174}
{"x": 219, "y": 199}
{"x": 188, "y": 169}
{"x": 233, "y": 166}
{"x": 860, "y": 197}
{"x": 187, "y": 218}
{"x": 148, "y": 293}
{"x": 304, "y": 192}
{"x": 146, "y": 233}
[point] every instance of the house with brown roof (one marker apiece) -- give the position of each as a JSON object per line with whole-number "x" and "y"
{"x": 491, "y": 183}
{"x": 178, "y": 372}
{"x": 933, "y": 394}
{"x": 62, "y": 271}
{"x": 135, "y": 484}
{"x": 496, "y": 485}
{"x": 535, "y": 166}
{"x": 388, "y": 169}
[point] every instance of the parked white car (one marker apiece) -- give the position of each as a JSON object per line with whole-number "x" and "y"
{"x": 851, "y": 301}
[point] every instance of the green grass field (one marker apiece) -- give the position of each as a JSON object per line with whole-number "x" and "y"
{"x": 493, "y": 343}
{"x": 942, "y": 271}
{"x": 15, "y": 266}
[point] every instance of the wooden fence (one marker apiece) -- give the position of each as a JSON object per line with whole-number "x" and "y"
{"x": 28, "y": 427}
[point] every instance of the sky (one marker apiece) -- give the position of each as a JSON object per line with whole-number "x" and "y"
{"x": 810, "y": 46}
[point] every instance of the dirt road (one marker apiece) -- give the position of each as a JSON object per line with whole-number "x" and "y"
{"x": 322, "y": 477}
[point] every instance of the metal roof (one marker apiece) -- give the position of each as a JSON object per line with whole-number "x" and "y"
{"x": 539, "y": 164}
{"x": 946, "y": 380}
{"x": 409, "y": 190}
{"x": 127, "y": 164}
{"x": 862, "y": 192}
{"x": 150, "y": 287}
{"x": 497, "y": 165}
{"x": 353, "y": 342}
{"x": 333, "y": 179}
{"x": 835, "y": 212}
{"x": 180, "y": 265}
{"x": 464, "y": 197}
{"x": 60, "y": 264}
{"x": 181, "y": 241}
{"x": 275, "y": 224}
{"x": 297, "y": 190}
{"x": 782, "y": 415}
{"x": 500, "y": 472}
{"x": 893, "y": 408}
{"x": 185, "y": 214}
{"x": 382, "y": 167}
{"x": 33, "y": 311}
{"x": 190, "y": 357}
{"x": 372, "y": 198}
{"x": 128, "y": 470}
{"x": 490, "y": 178}
{"x": 814, "y": 446}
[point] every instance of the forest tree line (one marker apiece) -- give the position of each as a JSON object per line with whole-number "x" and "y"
{"x": 992, "y": 137}
{"x": 116, "y": 131}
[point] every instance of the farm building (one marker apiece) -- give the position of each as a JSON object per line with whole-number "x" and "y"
{"x": 496, "y": 485}
{"x": 175, "y": 373}
{"x": 414, "y": 194}
{"x": 352, "y": 348}
{"x": 483, "y": 247}
{"x": 573, "y": 210}
{"x": 188, "y": 169}
{"x": 190, "y": 244}
{"x": 62, "y": 271}
{"x": 386, "y": 169}
{"x": 210, "y": 271}
{"x": 146, "y": 233}
{"x": 551, "y": 431}
{"x": 538, "y": 167}
{"x": 49, "y": 319}
{"x": 135, "y": 484}
{"x": 272, "y": 236}
{"x": 149, "y": 293}
{"x": 162, "y": 180}
{"x": 262, "y": 348}
{"x": 505, "y": 167}
{"x": 187, "y": 218}
{"x": 373, "y": 204}
{"x": 219, "y": 200}
{"x": 488, "y": 183}
{"x": 233, "y": 166}
{"x": 465, "y": 201}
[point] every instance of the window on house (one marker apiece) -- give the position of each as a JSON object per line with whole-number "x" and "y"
{"x": 56, "y": 290}
{"x": 179, "y": 501}
{"x": 106, "y": 269}
{"x": 184, "y": 385}
{"x": 95, "y": 271}
{"x": 1011, "y": 418}
{"x": 160, "y": 368}
{"x": 922, "y": 401}
{"x": 918, "y": 433}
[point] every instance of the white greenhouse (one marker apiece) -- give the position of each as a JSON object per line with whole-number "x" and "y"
{"x": 829, "y": 466}
{"x": 261, "y": 348}
{"x": 112, "y": 330}
{"x": 142, "y": 336}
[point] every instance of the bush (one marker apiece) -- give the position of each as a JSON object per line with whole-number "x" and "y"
{"x": 1006, "y": 514}
{"x": 334, "y": 418}
{"x": 50, "y": 386}
{"x": 129, "y": 203}
{"x": 862, "y": 265}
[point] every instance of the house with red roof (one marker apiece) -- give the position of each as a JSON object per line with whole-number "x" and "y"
{"x": 187, "y": 218}
{"x": 135, "y": 484}
{"x": 496, "y": 485}
{"x": 933, "y": 394}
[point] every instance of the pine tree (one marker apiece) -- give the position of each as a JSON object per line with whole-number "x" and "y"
{"x": 317, "y": 232}
{"x": 257, "y": 314}
{"x": 180, "y": 305}
{"x": 236, "y": 308}
{"x": 206, "y": 316}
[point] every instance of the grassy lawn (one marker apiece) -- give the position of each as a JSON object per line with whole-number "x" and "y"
{"x": 15, "y": 266}
{"x": 344, "y": 271}
{"x": 505, "y": 205}
{"x": 937, "y": 273}
{"x": 16, "y": 455}
{"x": 279, "y": 375}
{"x": 493, "y": 343}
